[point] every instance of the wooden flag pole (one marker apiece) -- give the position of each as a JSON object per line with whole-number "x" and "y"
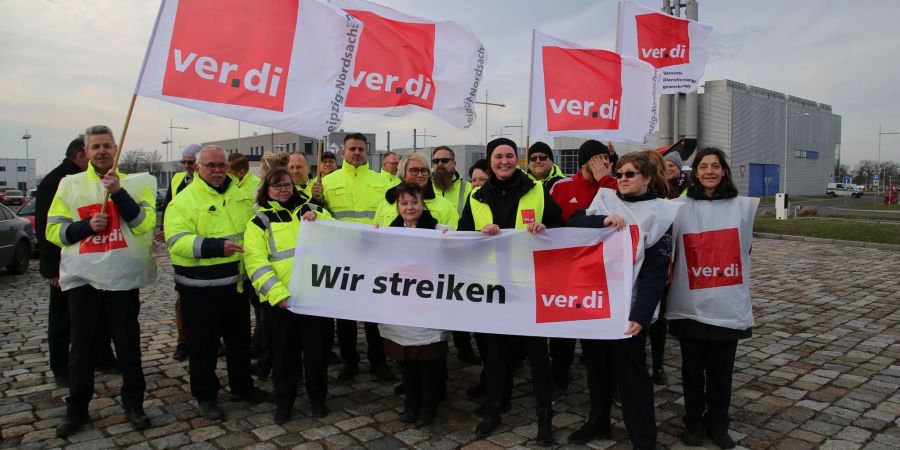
{"x": 119, "y": 148}
{"x": 321, "y": 143}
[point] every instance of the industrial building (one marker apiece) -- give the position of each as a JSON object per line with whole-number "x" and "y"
{"x": 17, "y": 173}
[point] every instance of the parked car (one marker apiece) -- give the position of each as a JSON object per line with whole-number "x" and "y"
{"x": 16, "y": 241}
{"x": 844, "y": 190}
{"x": 27, "y": 211}
{"x": 12, "y": 197}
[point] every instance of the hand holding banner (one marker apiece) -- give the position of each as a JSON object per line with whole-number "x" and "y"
{"x": 566, "y": 282}
{"x": 286, "y": 64}
{"x": 594, "y": 94}
{"x": 676, "y": 47}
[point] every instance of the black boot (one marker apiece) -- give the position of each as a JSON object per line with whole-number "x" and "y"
{"x": 137, "y": 418}
{"x": 487, "y": 426}
{"x": 71, "y": 424}
{"x": 592, "y": 429}
{"x": 545, "y": 426}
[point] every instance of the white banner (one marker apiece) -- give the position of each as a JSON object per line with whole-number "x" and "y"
{"x": 407, "y": 64}
{"x": 286, "y": 64}
{"x": 589, "y": 93}
{"x": 676, "y": 47}
{"x": 566, "y": 282}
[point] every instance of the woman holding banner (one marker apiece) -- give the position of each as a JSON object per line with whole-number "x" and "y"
{"x": 638, "y": 207}
{"x": 509, "y": 199}
{"x": 269, "y": 242}
{"x": 709, "y": 300}
{"x": 420, "y": 352}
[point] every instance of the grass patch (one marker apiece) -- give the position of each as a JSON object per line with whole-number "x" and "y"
{"x": 845, "y": 230}
{"x": 875, "y": 207}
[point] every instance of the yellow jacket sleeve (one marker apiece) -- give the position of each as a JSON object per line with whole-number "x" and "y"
{"x": 181, "y": 231}
{"x": 256, "y": 261}
{"x": 146, "y": 221}
{"x": 59, "y": 217}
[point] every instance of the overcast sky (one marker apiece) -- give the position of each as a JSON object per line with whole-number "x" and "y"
{"x": 68, "y": 64}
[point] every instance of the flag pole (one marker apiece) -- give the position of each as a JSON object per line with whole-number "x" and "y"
{"x": 119, "y": 148}
{"x": 320, "y": 143}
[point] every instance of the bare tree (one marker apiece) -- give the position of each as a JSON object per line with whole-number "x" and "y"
{"x": 135, "y": 161}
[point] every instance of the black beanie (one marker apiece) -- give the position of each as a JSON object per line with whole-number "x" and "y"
{"x": 498, "y": 142}
{"x": 589, "y": 149}
{"x": 540, "y": 147}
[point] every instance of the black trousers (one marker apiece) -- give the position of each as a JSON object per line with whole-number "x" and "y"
{"x": 293, "y": 334}
{"x": 207, "y": 316}
{"x": 346, "y": 331}
{"x": 422, "y": 384}
{"x": 562, "y": 353}
{"x": 499, "y": 373}
{"x": 89, "y": 309}
{"x": 262, "y": 333}
{"x": 59, "y": 335}
{"x": 658, "y": 331}
{"x": 622, "y": 361}
{"x": 462, "y": 340}
{"x": 706, "y": 370}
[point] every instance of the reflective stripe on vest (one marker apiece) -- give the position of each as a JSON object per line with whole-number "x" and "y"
{"x": 532, "y": 200}
{"x": 274, "y": 254}
{"x": 461, "y": 201}
{"x": 354, "y": 215}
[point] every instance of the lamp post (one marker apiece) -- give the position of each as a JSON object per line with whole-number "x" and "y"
{"x": 486, "y": 104}
{"x": 786, "y": 116}
{"x": 423, "y": 135}
{"x": 521, "y": 127}
{"x": 880, "y": 170}
{"x": 27, "y": 137}
{"x": 169, "y": 141}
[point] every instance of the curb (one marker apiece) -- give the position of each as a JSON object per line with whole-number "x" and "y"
{"x": 813, "y": 240}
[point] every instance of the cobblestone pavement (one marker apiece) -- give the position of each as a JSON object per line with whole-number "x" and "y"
{"x": 821, "y": 371}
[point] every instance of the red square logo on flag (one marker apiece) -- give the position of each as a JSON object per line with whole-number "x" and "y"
{"x": 663, "y": 40}
{"x": 394, "y": 64}
{"x": 713, "y": 258}
{"x": 583, "y": 89}
{"x": 527, "y": 216}
{"x": 570, "y": 284}
{"x": 109, "y": 239}
{"x": 237, "y": 59}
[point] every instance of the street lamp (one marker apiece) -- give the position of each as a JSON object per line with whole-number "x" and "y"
{"x": 169, "y": 142}
{"x": 880, "y": 170}
{"x": 521, "y": 127}
{"x": 27, "y": 137}
{"x": 423, "y": 135}
{"x": 486, "y": 104}
{"x": 786, "y": 116}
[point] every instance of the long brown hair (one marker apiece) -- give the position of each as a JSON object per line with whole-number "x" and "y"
{"x": 273, "y": 177}
{"x": 644, "y": 164}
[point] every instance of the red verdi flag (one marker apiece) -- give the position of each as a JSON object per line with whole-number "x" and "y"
{"x": 407, "y": 64}
{"x": 675, "y": 47}
{"x": 590, "y": 93}
{"x": 287, "y": 64}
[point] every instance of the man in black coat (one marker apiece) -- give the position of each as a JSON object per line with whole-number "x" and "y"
{"x": 76, "y": 161}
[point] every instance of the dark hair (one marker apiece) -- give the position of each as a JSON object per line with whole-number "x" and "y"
{"x": 726, "y": 187}
{"x": 275, "y": 175}
{"x": 408, "y": 189}
{"x": 443, "y": 147}
{"x": 357, "y": 136}
{"x": 237, "y": 162}
{"x": 75, "y": 147}
{"x": 646, "y": 167}
{"x": 480, "y": 164}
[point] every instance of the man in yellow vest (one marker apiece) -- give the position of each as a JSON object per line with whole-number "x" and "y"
{"x": 298, "y": 167}
{"x": 177, "y": 184}
{"x": 204, "y": 233}
{"x": 446, "y": 180}
{"x": 541, "y": 167}
{"x": 389, "y": 164}
{"x": 239, "y": 167}
{"x": 105, "y": 258}
{"x": 353, "y": 193}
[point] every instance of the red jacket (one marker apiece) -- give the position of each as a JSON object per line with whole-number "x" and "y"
{"x": 576, "y": 193}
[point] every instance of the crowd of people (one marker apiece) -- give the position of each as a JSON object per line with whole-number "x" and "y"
{"x": 231, "y": 237}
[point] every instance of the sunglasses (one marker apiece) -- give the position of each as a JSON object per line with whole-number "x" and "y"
{"x": 188, "y": 162}
{"x": 441, "y": 160}
{"x": 417, "y": 171}
{"x": 537, "y": 158}
{"x": 627, "y": 174}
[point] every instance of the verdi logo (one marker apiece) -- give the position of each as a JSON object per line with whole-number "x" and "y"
{"x": 394, "y": 64}
{"x": 238, "y": 59}
{"x": 583, "y": 89}
{"x": 713, "y": 258}
{"x": 109, "y": 239}
{"x": 570, "y": 284}
{"x": 663, "y": 40}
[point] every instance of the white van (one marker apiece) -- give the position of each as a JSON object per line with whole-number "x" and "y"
{"x": 843, "y": 190}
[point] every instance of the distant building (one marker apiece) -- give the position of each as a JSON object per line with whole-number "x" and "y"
{"x": 17, "y": 173}
{"x": 748, "y": 124}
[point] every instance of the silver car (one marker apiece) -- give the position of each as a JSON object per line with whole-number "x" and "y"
{"x": 16, "y": 241}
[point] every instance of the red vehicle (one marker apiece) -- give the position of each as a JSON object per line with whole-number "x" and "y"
{"x": 12, "y": 197}
{"x": 27, "y": 211}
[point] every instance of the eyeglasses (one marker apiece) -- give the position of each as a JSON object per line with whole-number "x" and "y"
{"x": 215, "y": 166}
{"x": 417, "y": 171}
{"x": 282, "y": 186}
{"x": 537, "y": 158}
{"x": 441, "y": 160}
{"x": 627, "y": 174}
{"x": 188, "y": 162}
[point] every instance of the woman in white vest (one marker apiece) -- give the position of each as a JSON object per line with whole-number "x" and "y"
{"x": 636, "y": 208}
{"x": 709, "y": 299}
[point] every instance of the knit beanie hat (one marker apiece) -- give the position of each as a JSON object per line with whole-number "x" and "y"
{"x": 589, "y": 149}
{"x": 540, "y": 147}
{"x": 675, "y": 158}
{"x": 498, "y": 142}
